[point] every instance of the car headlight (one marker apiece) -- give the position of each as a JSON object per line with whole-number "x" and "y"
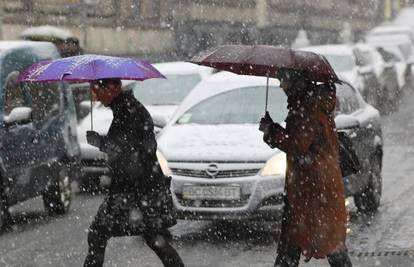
{"x": 163, "y": 163}
{"x": 276, "y": 165}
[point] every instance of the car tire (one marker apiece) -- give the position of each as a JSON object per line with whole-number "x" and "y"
{"x": 58, "y": 196}
{"x": 369, "y": 199}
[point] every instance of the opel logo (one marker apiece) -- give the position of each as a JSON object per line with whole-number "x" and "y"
{"x": 212, "y": 170}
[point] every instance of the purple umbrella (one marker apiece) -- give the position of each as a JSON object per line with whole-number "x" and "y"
{"x": 89, "y": 68}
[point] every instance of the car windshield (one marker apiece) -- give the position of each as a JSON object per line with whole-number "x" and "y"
{"x": 239, "y": 106}
{"x": 170, "y": 91}
{"x": 340, "y": 63}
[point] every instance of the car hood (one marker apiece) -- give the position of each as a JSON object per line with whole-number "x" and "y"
{"x": 194, "y": 142}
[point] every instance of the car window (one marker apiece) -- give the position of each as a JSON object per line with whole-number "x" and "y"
{"x": 170, "y": 91}
{"x": 347, "y": 100}
{"x": 14, "y": 96}
{"x": 341, "y": 63}
{"x": 239, "y": 106}
{"x": 42, "y": 98}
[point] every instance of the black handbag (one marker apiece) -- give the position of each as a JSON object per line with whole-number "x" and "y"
{"x": 348, "y": 158}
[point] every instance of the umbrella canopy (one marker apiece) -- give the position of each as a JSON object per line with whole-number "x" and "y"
{"x": 89, "y": 68}
{"x": 264, "y": 60}
{"x": 45, "y": 33}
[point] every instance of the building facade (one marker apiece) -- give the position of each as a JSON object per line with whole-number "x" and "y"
{"x": 172, "y": 29}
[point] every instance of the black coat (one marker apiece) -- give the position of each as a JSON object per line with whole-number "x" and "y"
{"x": 131, "y": 148}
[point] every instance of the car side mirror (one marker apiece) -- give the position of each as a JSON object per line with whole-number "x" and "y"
{"x": 18, "y": 116}
{"x": 346, "y": 122}
{"x": 159, "y": 121}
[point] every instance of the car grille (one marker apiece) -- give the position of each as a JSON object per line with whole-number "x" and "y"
{"x": 220, "y": 174}
{"x": 213, "y": 203}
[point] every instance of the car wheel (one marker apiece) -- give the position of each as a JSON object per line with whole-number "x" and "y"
{"x": 58, "y": 195}
{"x": 369, "y": 199}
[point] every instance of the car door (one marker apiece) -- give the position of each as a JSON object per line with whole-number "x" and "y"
{"x": 18, "y": 140}
{"x": 350, "y": 103}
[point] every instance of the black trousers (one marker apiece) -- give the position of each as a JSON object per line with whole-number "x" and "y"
{"x": 288, "y": 255}
{"x": 112, "y": 220}
{"x": 158, "y": 242}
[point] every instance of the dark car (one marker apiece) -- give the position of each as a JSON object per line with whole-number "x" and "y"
{"x": 361, "y": 123}
{"x": 38, "y": 139}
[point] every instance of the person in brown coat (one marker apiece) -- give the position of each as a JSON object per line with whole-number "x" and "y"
{"x": 314, "y": 214}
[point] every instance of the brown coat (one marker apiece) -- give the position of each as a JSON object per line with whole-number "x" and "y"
{"x": 314, "y": 186}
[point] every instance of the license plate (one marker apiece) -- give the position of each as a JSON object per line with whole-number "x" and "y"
{"x": 212, "y": 192}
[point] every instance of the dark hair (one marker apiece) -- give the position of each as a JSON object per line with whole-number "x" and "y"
{"x": 105, "y": 82}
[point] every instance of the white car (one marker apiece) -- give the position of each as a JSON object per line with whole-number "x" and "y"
{"x": 402, "y": 56}
{"x": 390, "y": 31}
{"x": 160, "y": 96}
{"x": 343, "y": 61}
{"x": 222, "y": 170}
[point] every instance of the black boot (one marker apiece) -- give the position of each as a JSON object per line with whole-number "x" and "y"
{"x": 339, "y": 259}
{"x": 159, "y": 243}
{"x": 288, "y": 258}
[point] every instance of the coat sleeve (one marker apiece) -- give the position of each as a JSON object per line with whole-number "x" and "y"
{"x": 299, "y": 138}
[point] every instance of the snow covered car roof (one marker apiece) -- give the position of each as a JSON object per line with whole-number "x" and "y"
{"x": 46, "y": 31}
{"x": 330, "y": 49}
{"x": 7, "y": 45}
{"x": 182, "y": 67}
{"x": 390, "y": 29}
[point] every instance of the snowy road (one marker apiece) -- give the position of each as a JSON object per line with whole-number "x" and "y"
{"x": 38, "y": 240}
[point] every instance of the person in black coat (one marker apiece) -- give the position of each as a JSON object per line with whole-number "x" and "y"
{"x": 139, "y": 199}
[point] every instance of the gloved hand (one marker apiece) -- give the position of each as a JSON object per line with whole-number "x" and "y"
{"x": 93, "y": 138}
{"x": 266, "y": 123}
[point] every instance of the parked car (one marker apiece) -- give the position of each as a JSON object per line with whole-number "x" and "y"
{"x": 160, "y": 96}
{"x": 390, "y": 31}
{"x": 379, "y": 90}
{"x": 399, "y": 51}
{"x": 344, "y": 61}
{"x": 349, "y": 61}
{"x": 222, "y": 170}
{"x": 39, "y": 149}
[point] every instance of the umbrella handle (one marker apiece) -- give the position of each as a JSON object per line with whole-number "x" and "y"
{"x": 267, "y": 91}
{"x": 90, "y": 94}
